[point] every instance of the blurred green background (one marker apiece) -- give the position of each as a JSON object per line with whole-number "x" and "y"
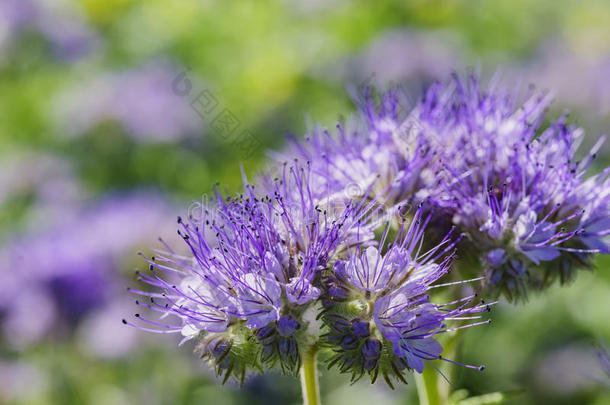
{"x": 109, "y": 128}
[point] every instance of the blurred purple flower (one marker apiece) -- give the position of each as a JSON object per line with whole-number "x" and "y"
{"x": 22, "y": 382}
{"x": 64, "y": 271}
{"x": 409, "y": 55}
{"x": 566, "y": 370}
{"x": 47, "y": 179}
{"x": 101, "y": 335}
{"x": 587, "y": 67}
{"x": 14, "y": 15}
{"x": 17, "y": 12}
{"x": 62, "y": 25}
{"x": 140, "y": 100}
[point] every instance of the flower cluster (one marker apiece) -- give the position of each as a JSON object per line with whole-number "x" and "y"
{"x": 253, "y": 285}
{"x": 378, "y": 305}
{"x": 382, "y": 151}
{"x": 302, "y": 261}
{"x": 516, "y": 188}
{"x": 259, "y": 286}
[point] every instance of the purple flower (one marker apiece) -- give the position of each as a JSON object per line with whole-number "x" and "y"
{"x": 377, "y": 299}
{"x": 376, "y": 153}
{"x": 67, "y": 269}
{"x": 63, "y": 27}
{"x": 412, "y": 55}
{"x": 513, "y": 186}
{"x": 483, "y": 161}
{"x": 141, "y": 100}
{"x": 259, "y": 272}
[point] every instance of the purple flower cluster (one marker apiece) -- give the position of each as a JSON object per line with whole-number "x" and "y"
{"x": 481, "y": 159}
{"x": 274, "y": 256}
{"x": 515, "y": 185}
{"x": 381, "y": 318}
{"x": 300, "y": 261}
{"x": 261, "y": 271}
{"x": 266, "y": 280}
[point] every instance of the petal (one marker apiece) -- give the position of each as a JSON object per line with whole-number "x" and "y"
{"x": 542, "y": 254}
{"x": 300, "y": 291}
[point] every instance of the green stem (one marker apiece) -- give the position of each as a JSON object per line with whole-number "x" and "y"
{"x": 427, "y": 386}
{"x": 432, "y": 388}
{"x": 309, "y": 378}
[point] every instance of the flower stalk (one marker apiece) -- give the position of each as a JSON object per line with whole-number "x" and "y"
{"x": 432, "y": 389}
{"x": 427, "y": 387}
{"x": 309, "y": 378}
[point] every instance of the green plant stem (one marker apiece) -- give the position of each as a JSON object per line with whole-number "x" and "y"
{"x": 432, "y": 389}
{"x": 427, "y": 386}
{"x": 309, "y": 378}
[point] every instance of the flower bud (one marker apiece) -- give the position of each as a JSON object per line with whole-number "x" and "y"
{"x": 360, "y": 329}
{"x": 349, "y": 342}
{"x": 287, "y": 326}
{"x": 371, "y": 349}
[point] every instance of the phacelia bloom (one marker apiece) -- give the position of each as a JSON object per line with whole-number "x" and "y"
{"x": 248, "y": 293}
{"x": 378, "y": 152}
{"x": 514, "y": 186}
{"x": 379, "y": 311}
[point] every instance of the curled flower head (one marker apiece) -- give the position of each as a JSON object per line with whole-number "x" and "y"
{"x": 516, "y": 188}
{"x": 252, "y": 274}
{"x": 379, "y": 311}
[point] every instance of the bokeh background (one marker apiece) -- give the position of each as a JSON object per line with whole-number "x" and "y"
{"x": 116, "y": 115}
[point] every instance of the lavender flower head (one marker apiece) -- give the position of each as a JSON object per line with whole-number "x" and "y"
{"x": 248, "y": 293}
{"x": 378, "y": 152}
{"x": 381, "y": 317}
{"x": 515, "y": 187}
{"x": 259, "y": 286}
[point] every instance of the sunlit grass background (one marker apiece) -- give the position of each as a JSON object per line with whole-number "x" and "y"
{"x": 99, "y": 153}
